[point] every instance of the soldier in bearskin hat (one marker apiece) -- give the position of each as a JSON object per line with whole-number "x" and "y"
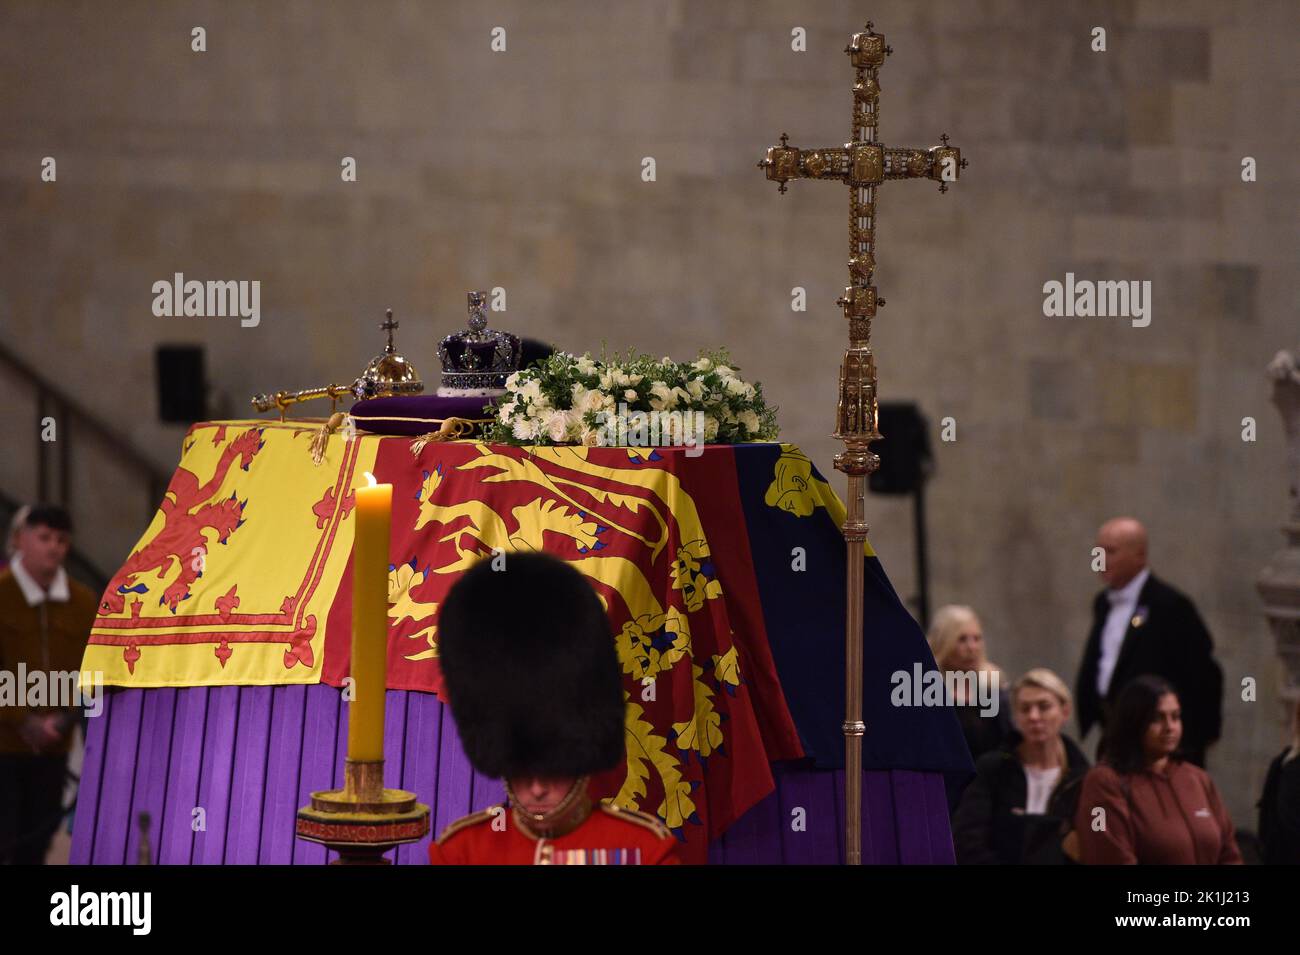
{"x": 535, "y": 688}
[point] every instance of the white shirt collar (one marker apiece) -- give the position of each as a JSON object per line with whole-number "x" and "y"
{"x": 1129, "y": 592}
{"x": 33, "y": 592}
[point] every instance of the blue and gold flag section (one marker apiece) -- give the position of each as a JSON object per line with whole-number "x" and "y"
{"x": 792, "y": 519}
{"x": 722, "y": 573}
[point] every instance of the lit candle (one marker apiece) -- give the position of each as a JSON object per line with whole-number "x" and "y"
{"x": 374, "y": 517}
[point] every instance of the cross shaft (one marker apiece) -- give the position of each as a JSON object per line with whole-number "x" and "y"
{"x": 862, "y": 164}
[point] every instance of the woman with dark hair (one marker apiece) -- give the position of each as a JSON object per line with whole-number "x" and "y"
{"x": 1143, "y": 804}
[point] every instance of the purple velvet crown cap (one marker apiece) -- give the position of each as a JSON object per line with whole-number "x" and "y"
{"x": 415, "y": 414}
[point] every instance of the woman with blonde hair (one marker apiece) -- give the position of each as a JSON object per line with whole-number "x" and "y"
{"x": 1020, "y": 807}
{"x": 957, "y": 641}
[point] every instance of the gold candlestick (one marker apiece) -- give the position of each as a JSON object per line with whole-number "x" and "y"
{"x": 862, "y": 164}
{"x": 363, "y": 820}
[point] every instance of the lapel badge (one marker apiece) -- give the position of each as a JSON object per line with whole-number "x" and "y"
{"x": 1139, "y": 618}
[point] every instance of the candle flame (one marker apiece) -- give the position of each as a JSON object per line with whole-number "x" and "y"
{"x": 371, "y": 478}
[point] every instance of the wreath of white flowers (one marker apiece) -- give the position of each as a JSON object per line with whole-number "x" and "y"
{"x": 570, "y": 399}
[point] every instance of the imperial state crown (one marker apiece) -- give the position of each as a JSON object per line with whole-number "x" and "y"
{"x": 478, "y": 361}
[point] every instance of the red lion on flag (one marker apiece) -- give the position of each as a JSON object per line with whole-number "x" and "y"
{"x": 188, "y": 513}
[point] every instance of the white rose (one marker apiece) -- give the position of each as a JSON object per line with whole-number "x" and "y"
{"x": 587, "y": 399}
{"x": 586, "y": 366}
{"x": 724, "y": 371}
{"x": 750, "y": 421}
{"x": 662, "y": 398}
{"x": 710, "y": 427}
{"x": 629, "y": 395}
{"x": 703, "y": 364}
{"x": 512, "y": 380}
{"x": 555, "y": 424}
{"x": 696, "y": 388}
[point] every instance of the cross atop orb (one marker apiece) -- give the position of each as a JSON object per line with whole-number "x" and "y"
{"x": 388, "y": 325}
{"x": 862, "y": 164}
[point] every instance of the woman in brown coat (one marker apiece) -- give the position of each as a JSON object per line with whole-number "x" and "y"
{"x": 1143, "y": 804}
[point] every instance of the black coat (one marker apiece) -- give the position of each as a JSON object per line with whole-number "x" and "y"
{"x": 985, "y": 733}
{"x": 990, "y": 826}
{"x": 1171, "y": 642}
{"x": 1279, "y": 812}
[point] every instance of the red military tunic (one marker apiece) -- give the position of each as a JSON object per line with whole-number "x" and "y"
{"x": 608, "y": 836}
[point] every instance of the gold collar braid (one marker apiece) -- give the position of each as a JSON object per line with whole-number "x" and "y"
{"x": 572, "y": 811}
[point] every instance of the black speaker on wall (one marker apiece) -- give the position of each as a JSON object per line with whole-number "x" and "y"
{"x": 182, "y": 384}
{"x": 906, "y": 463}
{"x": 904, "y": 450}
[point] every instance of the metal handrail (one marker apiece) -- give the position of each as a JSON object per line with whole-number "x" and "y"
{"x": 73, "y": 418}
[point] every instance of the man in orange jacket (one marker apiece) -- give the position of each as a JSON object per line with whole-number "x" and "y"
{"x": 535, "y": 687}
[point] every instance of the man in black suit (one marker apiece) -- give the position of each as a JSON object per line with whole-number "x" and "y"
{"x": 1142, "y": 625}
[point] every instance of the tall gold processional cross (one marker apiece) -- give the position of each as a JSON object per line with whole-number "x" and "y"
{"x": 862, "y": 165}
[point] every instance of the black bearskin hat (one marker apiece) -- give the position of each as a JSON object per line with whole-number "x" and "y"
{"x": 530, "y": 668}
